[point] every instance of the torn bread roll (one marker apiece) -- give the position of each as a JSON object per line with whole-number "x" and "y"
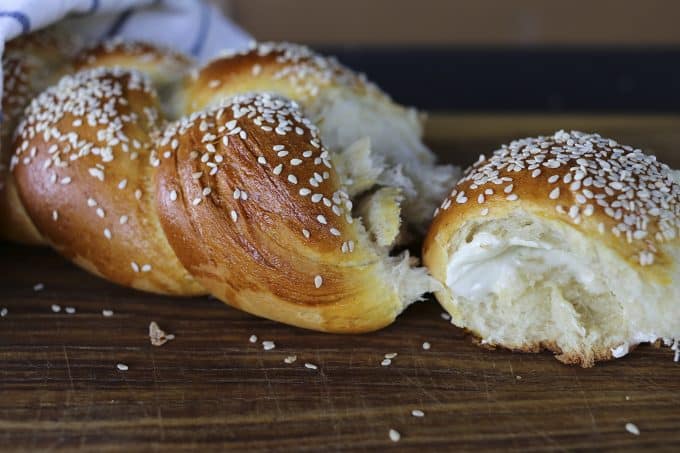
{"x": 568, "y": 243}
{"x": 241, "y": 201}
{"x": 377, "y": 142}
{"x": 251, "y": 203}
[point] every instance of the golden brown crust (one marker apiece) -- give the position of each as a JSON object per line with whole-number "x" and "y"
{"x": 84, "y": 174}
{"x": 286, "y": 69}
{"x": 611, "y": 193}
{"x": 30, "y": 63}
{"x": 251, "y": 204}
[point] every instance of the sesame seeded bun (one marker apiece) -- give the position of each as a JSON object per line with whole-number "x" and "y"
{"x": 84, "y": 167}
{"x": 345, "y": 106}
{"x": 567, "y": 243}
{"x": 251, "y": 203}
{"x": 30, "y": 63}
{"x": 163, "y": 66}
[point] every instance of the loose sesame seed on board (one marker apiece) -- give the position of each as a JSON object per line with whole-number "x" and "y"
{"x": 586, "y": 175}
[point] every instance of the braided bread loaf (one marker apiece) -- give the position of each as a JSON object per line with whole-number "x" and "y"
{"x": 238, "y": 197}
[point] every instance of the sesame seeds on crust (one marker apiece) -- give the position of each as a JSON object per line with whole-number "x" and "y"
{"x": 83, "y": 163}
{"x": 619, "y": 190}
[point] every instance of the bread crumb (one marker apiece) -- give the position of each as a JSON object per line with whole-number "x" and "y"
{"x": 290, "y": 359}
{"x": 394, "y": 435}
{"x": 268, "y": 345}
{"x": 157, "y": 336}
{"x": 632, "y": 428}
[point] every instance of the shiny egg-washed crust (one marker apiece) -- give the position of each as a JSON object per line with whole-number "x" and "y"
{"x": 286, "y": 69}
{"x": 82, "y": 166}
{"x": 30, "y": 63}
{"x": 252, "y": 206}
{"x": 580, "y": 180}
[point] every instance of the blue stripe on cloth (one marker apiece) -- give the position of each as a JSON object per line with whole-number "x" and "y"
{"x": 20, "y": 17}
{"x": 94, "y": 6}
{"x": 119, "y": 23}
{"x": 202, "y": 30}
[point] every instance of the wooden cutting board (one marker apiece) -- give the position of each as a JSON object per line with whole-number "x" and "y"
{"x": 210, "y": 388}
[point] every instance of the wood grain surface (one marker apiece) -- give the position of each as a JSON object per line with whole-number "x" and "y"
{"x": 211, "y": 389}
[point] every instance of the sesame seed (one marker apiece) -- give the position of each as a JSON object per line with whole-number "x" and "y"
{"x": 394, "y": 435}
{"x": 318, "y": 281}
{"x": 91, "y": 202}
{"x": 290, "y": 359}
{"x": 70, "y": 310}
{"x": 122, "y": 367}
{"x": 173, "y": 195}
{"x": 445, "y": 316}
{"x": 277, "y": 170}
{"x": 292, "y": 179}
{"x": 38, "y": 287}
{"x": 253, "y": 339}
{"x": 295, "y": 162}
{"x": 107, "y": 233}
{"x": 122, "y": 184}
{"x": 633, "y": 429}
{"x": 135, "y": 266}
{"x": 107, "y": 313}
{"x": 311, "y": 366}
{"x": 305, "y": 233}
{"x": 56, "y": 308}
{"x": 426, "y": 345}
{"x": 417, "y": 413}
{"x": 123, "y": 219}
{"x": 100, "y": 213}
{"x": 335, "y": 232}
{"x": 55, "y": 215}
{"x": 554, "y": 194}
{"x": 234, "y": 215}
{"x": 386, "y": 362}
{"x": 321, "y": 219}
{"x": 268, "y": 345}
{"x": 146, "y": 268}
{"x": 196, "y": 201}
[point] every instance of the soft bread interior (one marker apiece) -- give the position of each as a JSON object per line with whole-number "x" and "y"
{"x": 527, "y": 283}
{"x": 399, "y": 157}
{"x": 377, "y": 209}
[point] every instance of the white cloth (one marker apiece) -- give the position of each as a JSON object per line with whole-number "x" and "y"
{"x": 194, "y": 27}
